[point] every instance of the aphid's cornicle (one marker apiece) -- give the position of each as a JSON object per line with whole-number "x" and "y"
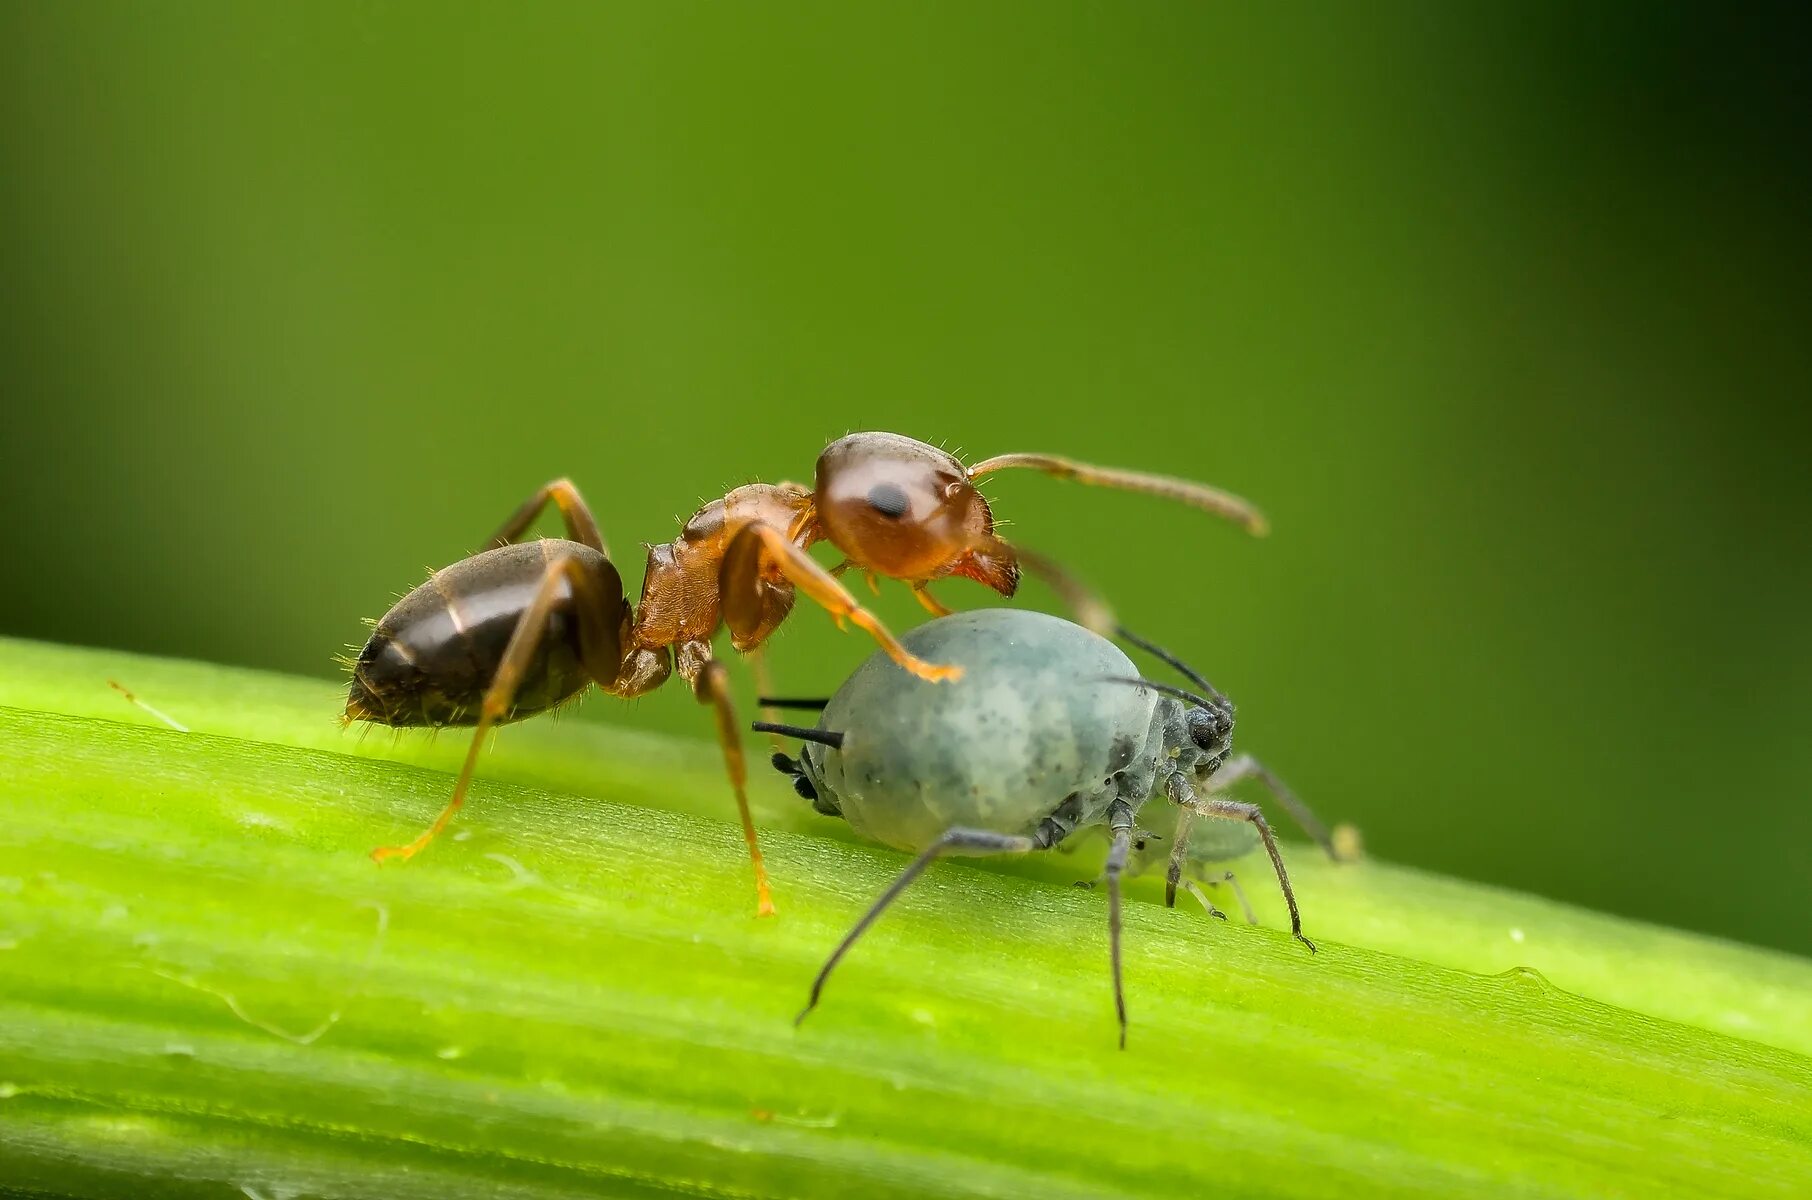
{"x": 1052, "y": 732}
{"x": 520, "y": 628}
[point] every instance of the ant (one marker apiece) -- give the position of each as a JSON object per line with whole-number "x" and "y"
{"x": 522, "y": 627}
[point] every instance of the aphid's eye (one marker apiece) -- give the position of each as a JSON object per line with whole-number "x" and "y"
{"x": 889, "y": 499}
{"x": 1210, "y": 729}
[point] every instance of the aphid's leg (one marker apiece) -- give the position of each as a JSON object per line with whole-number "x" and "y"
{"x": 764, "y": 687}
{"x": 711, "y": 685}
{"x": 954, "y": 841}
{"x": 581, "y": 526}
{"x": 1197, "y": 495}
{"x": 1120, "y": 820}
{"x": 1244, "y": 766}
{"x": 931, "y": 604}
{"x": 757, "y": 545}
{"x": 1179, "y": 857}
{"x": 1195, "y": 889}
{"x": 600, "y": 650}
{"x": 1239, "y": 894}
{"x": 1181, "y": 793}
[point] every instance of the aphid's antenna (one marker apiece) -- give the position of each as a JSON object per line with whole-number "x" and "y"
{"x": 1179, "y": 693}
{"x": 816, "y": 704}
{"x": 1156, "y": 651}
{"x": 824, "y": 737}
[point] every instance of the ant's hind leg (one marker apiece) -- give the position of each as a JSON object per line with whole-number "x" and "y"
{"x": 711, "y": 685}
{"x": 581, "y": 526}
{"x": 1244, "y": 766}
{"x": 598, "y": 612}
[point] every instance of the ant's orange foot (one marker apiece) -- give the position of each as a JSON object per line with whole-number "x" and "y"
{"x": 765, "y": 907}
{"x": 384, "y": 853}
{"x": 931, "y": 672}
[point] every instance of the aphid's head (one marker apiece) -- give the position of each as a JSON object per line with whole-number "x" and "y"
{"x": 908, "y": 511}
{"x": 1207, "y": 713}
{"x": 1211, "y": 727}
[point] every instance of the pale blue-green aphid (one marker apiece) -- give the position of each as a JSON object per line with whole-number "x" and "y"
{"x": 1049, "y": 731}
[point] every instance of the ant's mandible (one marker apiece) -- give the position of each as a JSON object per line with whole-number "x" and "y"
{"x": 521, "y": 627}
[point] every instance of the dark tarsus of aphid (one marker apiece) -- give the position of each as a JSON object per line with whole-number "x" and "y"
{"x": 432, "y": 657}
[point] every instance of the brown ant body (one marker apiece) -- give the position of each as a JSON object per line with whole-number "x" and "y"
{"x": 521, "y": 627}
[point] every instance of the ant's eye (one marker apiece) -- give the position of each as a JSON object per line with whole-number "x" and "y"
{"x": 889, "y": 499}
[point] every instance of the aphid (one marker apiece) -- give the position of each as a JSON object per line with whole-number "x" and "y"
{"x": 520, "y": 628}
{"x": 1051, "y": 732}
{"x": 1197, "y": 854}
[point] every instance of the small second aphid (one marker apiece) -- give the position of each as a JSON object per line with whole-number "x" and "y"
{"x": 1050, "y": 732}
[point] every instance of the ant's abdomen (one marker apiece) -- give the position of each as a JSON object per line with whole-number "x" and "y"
{"x": 432, "y": 656}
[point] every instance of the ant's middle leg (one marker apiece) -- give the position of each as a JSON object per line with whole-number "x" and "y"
{"x": 599, "y": 612}
{"x": 711, "y": 685}
{"x": 581, "y": 526}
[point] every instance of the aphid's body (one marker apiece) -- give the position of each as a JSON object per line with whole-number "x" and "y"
{"x": 519, "y": 628}
{"x": 1050, "y": 732}
{"x": 1035, "y": 732}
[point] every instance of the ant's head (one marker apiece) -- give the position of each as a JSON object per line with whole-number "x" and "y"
{"x": 908, "y": 511}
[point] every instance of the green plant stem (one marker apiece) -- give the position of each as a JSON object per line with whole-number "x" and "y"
{"x": 207, "y": 985}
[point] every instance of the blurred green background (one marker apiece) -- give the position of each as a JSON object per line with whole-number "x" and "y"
{"x": 1501, "y": 315}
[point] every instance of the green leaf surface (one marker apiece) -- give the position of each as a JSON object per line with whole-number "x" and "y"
{"x": 207, "y": 989}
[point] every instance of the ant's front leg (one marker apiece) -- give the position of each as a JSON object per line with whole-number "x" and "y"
{"x": 749, "y": 601}
{"x": 581, "y": 526}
